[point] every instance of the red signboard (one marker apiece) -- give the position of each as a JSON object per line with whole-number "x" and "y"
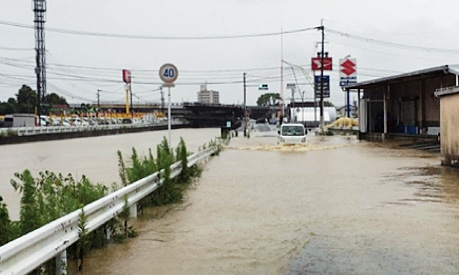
{"x": 347, "y": 67}
{"x": 316, "y": 63}
{"x": 347, "y": 71}
{"x": 126, "y": 76}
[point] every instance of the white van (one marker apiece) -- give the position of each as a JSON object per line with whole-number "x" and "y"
{"x": 292, "y": 133}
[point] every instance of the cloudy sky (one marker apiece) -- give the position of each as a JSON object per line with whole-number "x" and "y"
{"x": 89, "y": 42}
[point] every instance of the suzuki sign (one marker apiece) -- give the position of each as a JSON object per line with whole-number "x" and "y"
{"x": 347, "y": 71}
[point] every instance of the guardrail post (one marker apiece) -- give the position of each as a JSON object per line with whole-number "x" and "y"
{"x": 107, "y": 232}
{"x": 133, "y": 211}
{"x": 61, "y": 263}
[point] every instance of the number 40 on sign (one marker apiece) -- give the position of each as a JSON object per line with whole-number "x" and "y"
{"x": 168, "y": 74}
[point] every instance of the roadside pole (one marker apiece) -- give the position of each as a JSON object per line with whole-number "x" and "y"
{"x": 168, "y": 74}
{"x": 169, "y": 116}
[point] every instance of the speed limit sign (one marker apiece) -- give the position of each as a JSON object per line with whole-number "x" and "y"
{"x": 168, "y": 74}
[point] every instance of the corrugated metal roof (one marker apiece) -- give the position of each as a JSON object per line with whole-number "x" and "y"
{"x": 446, "y": 69}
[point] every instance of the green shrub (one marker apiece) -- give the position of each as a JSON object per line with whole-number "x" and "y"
{"x": 51, "y": 196}
{"x": 5, "y": 224}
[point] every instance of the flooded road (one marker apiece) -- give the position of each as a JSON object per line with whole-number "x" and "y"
{"x": 335, "y": 206}
{"x": 94, "y": 157}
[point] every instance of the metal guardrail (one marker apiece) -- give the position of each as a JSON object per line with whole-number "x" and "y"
{"x": 28, "y": 252}
{"x": 29, "y": 131}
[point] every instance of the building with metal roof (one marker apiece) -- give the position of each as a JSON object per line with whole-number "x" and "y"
{"x": 403, "y": 105}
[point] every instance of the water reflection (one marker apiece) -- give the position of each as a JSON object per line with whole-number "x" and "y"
{"x": 450, "y": 184}
{"x": 433, "y": 184}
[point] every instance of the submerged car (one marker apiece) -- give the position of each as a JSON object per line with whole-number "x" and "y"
{"x": 292, "y": 133}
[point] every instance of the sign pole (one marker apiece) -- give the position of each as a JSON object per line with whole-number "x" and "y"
{"x": 322, "y": 83}
{"x": 348, "y": 104}
{"x": 127, "y": 79}
{"x": 127, "y": 98}
{"x": 168, "y": 74}
{"x": 132, "y": 107}
{"x": 169, "y": 114}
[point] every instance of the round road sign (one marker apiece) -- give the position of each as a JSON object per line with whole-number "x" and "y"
{"x": 168, "y": 73}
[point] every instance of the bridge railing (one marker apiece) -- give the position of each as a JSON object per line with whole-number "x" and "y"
{"x": 28, "y": 252}
{"x": 40, "y": 130}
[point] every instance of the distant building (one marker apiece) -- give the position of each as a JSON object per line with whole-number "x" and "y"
{"x": 208, "y": 96}
{"x": 342, "y": 111}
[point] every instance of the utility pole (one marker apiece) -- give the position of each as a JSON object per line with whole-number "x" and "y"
{"x": 162, "y": 99}
{"x": 98, "y": 103}
{"x": 244, "y": 91}
{"x": 245, "y": 106}
{"x": 302, "y": 108}
{"x": 281, "y": 101}
{"x": 98, "y": 98}
{"x": 322, "y": 80}
{"x": 39, "y": 9}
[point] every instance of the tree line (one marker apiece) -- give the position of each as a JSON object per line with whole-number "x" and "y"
{"x": 26, "y": 102}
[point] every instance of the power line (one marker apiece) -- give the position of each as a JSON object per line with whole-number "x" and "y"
{"x": 129, "y": 36}
{"x": 110, "y": 92}
{"x": 190, "y": 77}
{"x": 138, "y": 72}
{"x": 65, "y": 92}
{"x": 16, "y": 49}
{"x": 391, "y": 44}
{"x": 221, "y": 76}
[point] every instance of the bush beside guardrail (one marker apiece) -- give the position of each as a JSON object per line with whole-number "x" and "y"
{"x": 28, "y": 252}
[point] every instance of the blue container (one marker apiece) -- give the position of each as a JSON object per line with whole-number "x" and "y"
{"x": 411, "y": 130}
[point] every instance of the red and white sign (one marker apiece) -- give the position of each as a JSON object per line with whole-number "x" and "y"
{"x": 168, "y": 74}
{"x": 347, "y": 67}
{"x": 347, "y": 71}
{"x": 127, "y": 76}
{"x": 316, "y": 64}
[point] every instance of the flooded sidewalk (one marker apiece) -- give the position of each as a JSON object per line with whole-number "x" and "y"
{"x": 335, "y": 205}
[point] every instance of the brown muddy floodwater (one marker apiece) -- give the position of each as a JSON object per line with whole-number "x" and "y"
{"x": 94, "y": 157}
{"x": 334, "y": 206}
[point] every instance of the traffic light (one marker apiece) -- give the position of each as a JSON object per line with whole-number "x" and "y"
{"x": 262, "y": 86}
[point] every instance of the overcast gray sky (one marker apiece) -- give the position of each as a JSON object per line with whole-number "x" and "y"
{"x": 79, "y": 65}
